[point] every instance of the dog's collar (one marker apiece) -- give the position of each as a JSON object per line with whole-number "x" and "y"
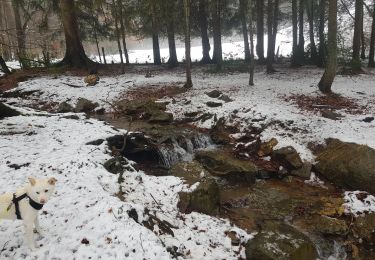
{"x": 35, "y": 205}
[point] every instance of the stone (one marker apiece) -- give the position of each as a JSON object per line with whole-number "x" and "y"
{"x": 330, "y": 226}
{"x": 304, "y": 172}
{"x": 6, "y": 111}
{"x": 219, "y": 133}
{"x": 348, "y": 165}
{"x": 161, "y": 117}
{"x": 225, "y": 98}
{"x": 204, "y": 199}
{"x": 223, "y": 164}
{"x": 279, "y": 241}
{"x": 368, "y": 119}
{"x": 214, "y": 93}
{"x": 85, "y": 105}
{"x": 92, "y": 79}
{"x": 115, "y": 165}
{"x": 288, "y": 157}
{"x": 64, "y": 107}
{"x": 364, "y": 226}
{"x": 266, "y": 148}
{"x": 214, "y": 104}
{"x": 191, "y": 172}
{"x": 331, "y": 114}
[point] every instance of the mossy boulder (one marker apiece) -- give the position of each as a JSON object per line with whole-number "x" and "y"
{"x": 223, "y": 164}
{"x": 6, "y": 111}
{"x": 348, "y": 165}
{"x": 204, "y": 199}
{"x": 191, "y": 172}
{"x": 288, "y": 157}
{"x": 85, "y": 105}
{"x": 64, "y": 107}
{"x": 330, "y": 226}
{"x": 115, "y": 165}
{"x": 278, "y": 241}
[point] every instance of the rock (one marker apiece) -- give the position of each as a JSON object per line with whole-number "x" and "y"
{"x": 288, "y": 157}
{"x": 304, "y": 172}
{"x": 331, "y": 114}
{"x": 348, "y": 165}
{"x": 280, "y": 242}
{"x": 92, "y": 79}
{"x": 219, "y": 134}
{"x": 85, "y": 105}
{"x": 6, "y": 111}
{"x": 223, "y": 164}
{"x": 192, "y": 171}
{"x": 214, "y": 93}
{"x": 64, "y": 107}
{"x": 214, "y": 104}
{"x": 205, "y": 117}
{"x": 115, "y": 165}
{"x": 95, "y": 142}
{"x": 332, "y": 207}
{"x": 330, "y": 226}
{"x": 267, "y": 147}
{"x": 225, "y": 98}
{"x": 191, "y": 114}
{"x": 204, "y": 199}
{"x": 161, "y": 117}
{"x": 364, "y": 226}
{"x": 368, "y": 119}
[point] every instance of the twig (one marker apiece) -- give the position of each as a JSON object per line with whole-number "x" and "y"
{"x": 73, "y": 86}
{"x": 4, "y": 247}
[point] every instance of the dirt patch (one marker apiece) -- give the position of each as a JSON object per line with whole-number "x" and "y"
{"x": 333, "y": 102}
{"x": 154, "y": 91}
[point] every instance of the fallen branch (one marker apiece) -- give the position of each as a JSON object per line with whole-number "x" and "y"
{"x": 73, "y": 86}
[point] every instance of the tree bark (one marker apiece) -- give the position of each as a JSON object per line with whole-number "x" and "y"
{"x": 358, "y": 25}
{"x": 172, "y": 61}
{"x": 371, "y": 60}
{"x": 243, "y": 12}
{"x": 20, "y": 33}
{"x": 189, "y": 82}
{"x": 322, "y": 45}
{"x": 206, "y": 59}
{"x": 117, "y": 32}
{"x": 272, "y": 22}
{"x": 74, "y": 54}
{"x": 259, "y": 6}
{"x": 363, "y": 45}
{"x": 310, "y": 15}
{"x": 155, "y": 35}
{"x": 301, "y": 40}
{"x": 326, "y": 81}
{"x": 216, "y": 28}
{"x": 122, "y": 27}
{"x": 4, "y": 66}
{"x": 251, "y": 32}
{"x": 294, "y": 61}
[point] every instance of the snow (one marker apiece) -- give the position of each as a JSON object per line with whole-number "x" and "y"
{"x": 85, "y": 206}
{"x": 358, "y": 203}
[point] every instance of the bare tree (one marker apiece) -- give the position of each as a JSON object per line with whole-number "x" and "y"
{"x": 371, "y": 62}
{"x": 243, "y": 14}
{"x": 358, "y": 27}
{"x": 259, "y": 6}
{"x": 252, "y": 56}
{"x": 189, "y": 82}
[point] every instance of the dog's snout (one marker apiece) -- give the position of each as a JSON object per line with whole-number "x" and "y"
{"x": 42, "y": 201}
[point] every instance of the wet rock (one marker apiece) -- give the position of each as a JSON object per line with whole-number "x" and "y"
{"x": 288, "y": 157}
{"x": 267, "y": 147}
{"x": 85, "y": 105}
{"x": 348, "y": 164}
{"x": 214, "y": 104}
{"x": 225, "y": 98}
{"x": 223, "y": 164}
{"x": 92, "y": 79}
{"x": 95, "y": 142}
{"x": 204, "y": 199}
{"x": 219, "y": 133}
{"x": 364, "y": 226}
{"x": 64, "y": 107}
{"x": 6, "y": 111}
{"x": 192, "y": 171}
{"x": 161, "y": 117}
{"x": 214, "y": 93}
{"x": 115, "y": 165}
{"x": 280, "y": 241}
{"x": 304, "y": 172}
{"x": 330, "y": 226}
{"x": 331, "y": 114}
{"x": 332, "y": 207}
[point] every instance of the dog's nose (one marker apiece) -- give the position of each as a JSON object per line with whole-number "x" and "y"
{"x": 42, "y": 201}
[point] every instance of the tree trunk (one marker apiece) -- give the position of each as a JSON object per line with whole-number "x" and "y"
{"x": 122, "y": 26}
{"x": 363, "y": 45}
{"x": 371, "y": 60}
{"x": 301, "y": 40}
{"x": 259, "y": 6}
{"x": 117, "y": 32}
{"x": 216, "y": 28}
{"x": 243, "y": 12}
{"x": 74, "y": 54}
{"x": 206, "y": 59}
{"x": 322, "y": 45}
{"x": 97, "y": 45}
{"x": 172, "y": 61}
{"x": 4, "y": 66}
{"x": 104, "y": 58}
{"x": 188, "y": 83}
{"x": 310, "y": 15}
{"x": 294, "y": 61}
{"x": 358, "y": 25}
{"x": 272, "y": 22}
{"x": 155, "y": 35}
{"x": 252, "y": 61}
{"x": 326, "y": 81}
{"x": 21, "y": 52}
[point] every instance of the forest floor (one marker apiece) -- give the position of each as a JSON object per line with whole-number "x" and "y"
{"x": 86, "y": 219}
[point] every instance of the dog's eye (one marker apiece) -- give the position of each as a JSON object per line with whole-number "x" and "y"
{"x": 37, "y": 192}
{"x": 46, "y": 191}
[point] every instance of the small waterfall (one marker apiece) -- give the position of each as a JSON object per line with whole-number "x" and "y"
{"x": 182, "y": 149}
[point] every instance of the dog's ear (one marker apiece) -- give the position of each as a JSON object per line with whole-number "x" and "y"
{"x": 52, "y": 181}
{"x": 32, "y": 181}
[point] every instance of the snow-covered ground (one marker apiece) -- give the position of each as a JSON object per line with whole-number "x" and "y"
{"x": 84, "y": 219}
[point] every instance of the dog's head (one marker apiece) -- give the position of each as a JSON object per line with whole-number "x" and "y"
{"x": 40, "y": 190}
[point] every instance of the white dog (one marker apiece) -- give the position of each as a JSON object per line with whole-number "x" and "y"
{"x": 25, "y": 203}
